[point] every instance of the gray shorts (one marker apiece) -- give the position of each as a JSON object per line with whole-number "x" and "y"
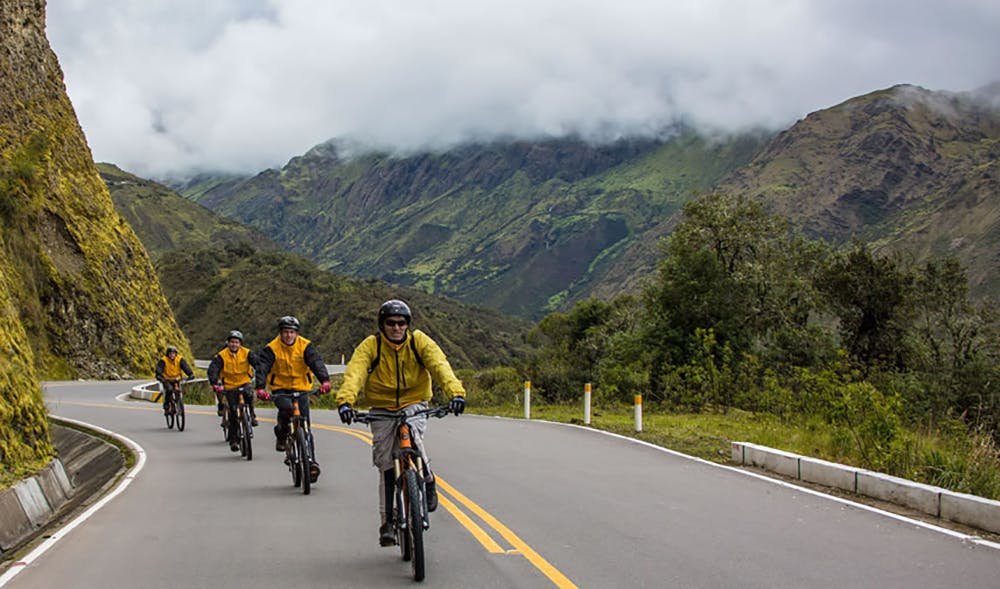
{"x": 384, "y": 436}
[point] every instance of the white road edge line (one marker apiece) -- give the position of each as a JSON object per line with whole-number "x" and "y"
{"x": 127, "y": 479}
{"x": 964, "y": 537}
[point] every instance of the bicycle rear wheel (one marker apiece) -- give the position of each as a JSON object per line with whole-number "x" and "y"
{"x": 305, "y": 459}
{"x": 415, "y": 524}
{"x": 180, "y": 413}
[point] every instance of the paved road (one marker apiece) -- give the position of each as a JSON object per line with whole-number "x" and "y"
{"x": 524, "y": 504}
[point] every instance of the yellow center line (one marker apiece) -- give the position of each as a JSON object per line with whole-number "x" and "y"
{"x": 520, "y": 546}
{"x": 490, "y": 545}
{"x": 529, "y": 553}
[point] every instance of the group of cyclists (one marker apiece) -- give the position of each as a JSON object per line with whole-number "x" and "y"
{"x": 394, "y": 369}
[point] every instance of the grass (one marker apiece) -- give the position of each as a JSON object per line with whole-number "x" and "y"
{"x": 959, "y": 461}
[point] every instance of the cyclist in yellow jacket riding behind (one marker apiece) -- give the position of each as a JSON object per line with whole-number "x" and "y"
{"x": 170, "y": 369}
{"x": 287, "y": 364}
{"x": 394, "y": 368}
{"x": 231, "y": 373}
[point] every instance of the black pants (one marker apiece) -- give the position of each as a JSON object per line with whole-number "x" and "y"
{"x": 168, "y": 387}
{"x": 283, "y": 401}
{"x": 233, "y": 399}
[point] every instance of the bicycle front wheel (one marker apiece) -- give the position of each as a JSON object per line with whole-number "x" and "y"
{"x": 305, "y": 459}
{"x": 180, "y": 413}
{"x": 415, "y": 524}
{"x": 246, "y": 432}
{"x": 169, "y": 414}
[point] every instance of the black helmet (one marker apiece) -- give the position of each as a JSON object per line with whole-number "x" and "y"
{"x": 289, "y": 322}
{"x": 172, "y": 349}
{"x": 393, "y": 307}
{"x": 235, "y": 334}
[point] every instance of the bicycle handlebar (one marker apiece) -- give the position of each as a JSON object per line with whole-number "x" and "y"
{"x": 368, "y": 417}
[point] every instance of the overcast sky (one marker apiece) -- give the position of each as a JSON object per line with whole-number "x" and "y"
{"x": 174, "y": 86}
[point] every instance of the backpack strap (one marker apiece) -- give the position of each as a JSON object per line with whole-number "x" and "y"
{"x": 378, "y": 352}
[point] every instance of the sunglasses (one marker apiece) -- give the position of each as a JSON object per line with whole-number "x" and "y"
{"x": 395, "y": 322}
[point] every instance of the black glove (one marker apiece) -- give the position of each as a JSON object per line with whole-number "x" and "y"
{"x": 457, "y": 405}
{"x": 346, "y": 413}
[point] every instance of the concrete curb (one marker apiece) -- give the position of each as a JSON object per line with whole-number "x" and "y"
{"x": 150, "y": 391}
{"x": 84, "y": 465}
{"x": 942, "y": 503}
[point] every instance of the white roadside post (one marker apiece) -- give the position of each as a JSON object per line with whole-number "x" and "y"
{"x": 527, "y": 399}
{"x": 586, "y": 404}
{"x": 638, "y": 413}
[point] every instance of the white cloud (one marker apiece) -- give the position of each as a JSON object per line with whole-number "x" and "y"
{"x": 173, "y": 86}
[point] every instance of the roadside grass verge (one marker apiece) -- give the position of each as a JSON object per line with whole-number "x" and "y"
{"x": 954, "y": 460}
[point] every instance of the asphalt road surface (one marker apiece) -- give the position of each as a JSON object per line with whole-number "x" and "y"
{"x": 523, "y": 504}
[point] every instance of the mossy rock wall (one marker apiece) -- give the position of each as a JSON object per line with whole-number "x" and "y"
{"x": 80, "y": 297}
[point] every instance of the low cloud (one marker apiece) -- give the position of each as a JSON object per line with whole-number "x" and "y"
{"x": 172, "y": 87}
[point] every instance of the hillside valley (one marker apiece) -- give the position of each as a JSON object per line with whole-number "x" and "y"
{"x": 220, "y": 275}
{"x": 532, "y": 227}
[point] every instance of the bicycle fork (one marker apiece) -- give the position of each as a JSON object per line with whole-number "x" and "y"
{"x": 413, "y": 460}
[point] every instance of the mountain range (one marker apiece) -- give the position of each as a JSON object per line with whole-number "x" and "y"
{"x": 528, "y": 228}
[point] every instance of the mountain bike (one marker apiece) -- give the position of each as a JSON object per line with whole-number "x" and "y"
{"x": 174, "y": 408}
{"x": 299, "y": 448}
{"x": 410, "y": 518}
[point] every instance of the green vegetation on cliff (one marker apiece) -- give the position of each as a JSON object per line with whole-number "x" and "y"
{"x": 80, "y": 298}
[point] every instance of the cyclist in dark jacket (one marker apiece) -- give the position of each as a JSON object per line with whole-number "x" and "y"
{"x": 231, "y": 373}
{"x": 287, "y": 364}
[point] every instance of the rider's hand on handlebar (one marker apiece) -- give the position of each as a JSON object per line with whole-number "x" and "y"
{"x": 217, "y": 388}
{"x": 346, "y": 413}
{"x": 263, "y": 395}
{"x": 324, "y": 388}
{"x": 457, "y": 405}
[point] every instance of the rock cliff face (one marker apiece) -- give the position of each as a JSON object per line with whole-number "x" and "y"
{"x": 79, "y": 295}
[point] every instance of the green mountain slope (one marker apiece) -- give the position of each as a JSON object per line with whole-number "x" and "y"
{"x": 219, "y": 275}
{"x": 522, "y": 227}
{"x": 908, "y": 169}
{"x": 165, "y": 222}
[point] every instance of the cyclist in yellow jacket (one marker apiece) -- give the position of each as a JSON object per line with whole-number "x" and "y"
{"x": 394, "y": 368}
{"x": 231, "y": 374}
{"x": 170, "y": 369}
{"x": 287, "y": 364}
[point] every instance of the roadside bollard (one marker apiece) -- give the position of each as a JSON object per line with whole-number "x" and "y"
{"x": 586, "y": 404}
{"x": 527, "y": 399}
{"x": 638, "y": 413}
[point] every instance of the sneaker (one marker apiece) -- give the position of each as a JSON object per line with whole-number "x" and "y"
{"x": 279, "y": 444}
{"x": 432, "y": 496}
{"x": 221, "y": 409}
{"x": 253, "y": 421}
{"x": 386, "y": 535}
{"x": 234, "y": 446}
{"x": 313, "y": 472}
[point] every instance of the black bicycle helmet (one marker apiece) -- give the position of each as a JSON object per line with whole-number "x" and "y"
{"x": 173, "y": 349}
{"x": 393, "y": 307}
{"x": 289, "y": 322}
{"x": 235, "y": 334}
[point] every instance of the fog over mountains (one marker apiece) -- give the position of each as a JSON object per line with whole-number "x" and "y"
{"x": 172, "y": 87}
